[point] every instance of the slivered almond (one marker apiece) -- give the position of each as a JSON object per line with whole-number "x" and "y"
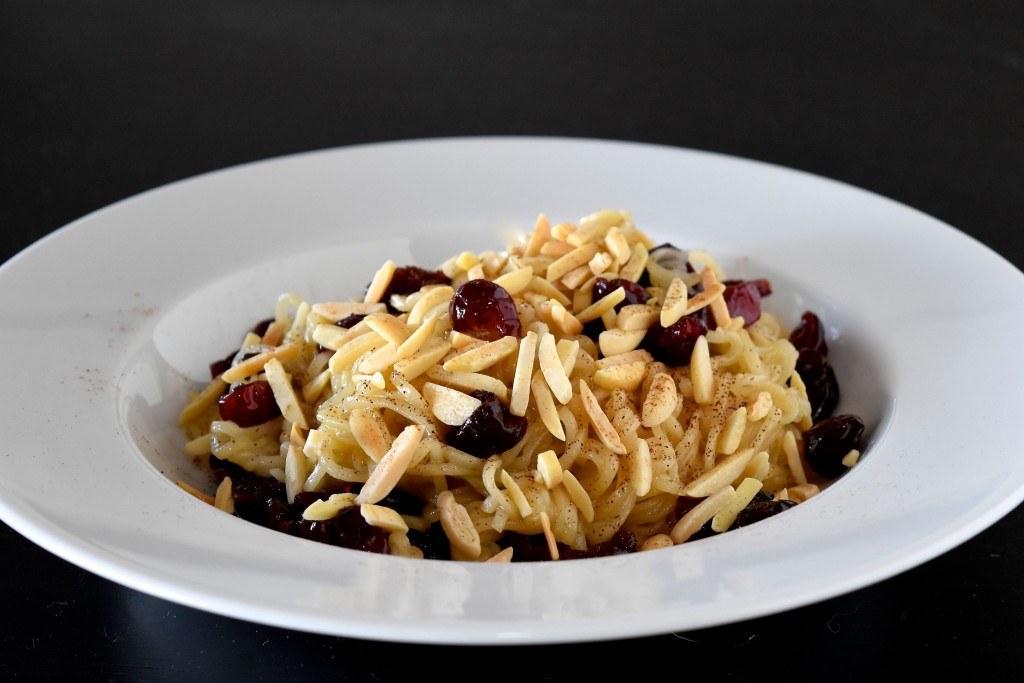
{"x": 732, "y": 432}
{"x": 626, "y": 357}
{"x": 699, "y": 515}
{"x": 466, "y": 260}
{"x": 546, "y": 406}
{"x": 634, "y": 267}
{"x": 203, "y": 400}
{"x": 256, "y": 364}
{"x": 701, "y": 374}
{"x": 222, "y": 498}
{"x": 516, "y": 494}
{"x": 578, "y": 495}
{"x": 322, "y": 510}
{"x": 636, "y": 317}
{"x": 541, "y": 234}
{"x": 576, "y": 277}
{"x": 554, "y": 371}
{"x": 562, "y": 230}
{"x": 382, "y": 517}
{"x": 333, "y": 337}
{"x": 380, "y": 359}
{"x": 380, "y": 282}
{"x": 524, "y": 372}
{"x": 555, "y": 249}
{"x": 387, "y": 326}
{"x": 617, "y": 245}
{"x": 722, "y": 474}
{"x": 600, "y": 263}
{"x": 419, "y": 337}
{"x": 568, "y": 352}
{"x": 516, "y": 281}
{"x": 469, "y": 381}
{"x": 274, "y": 334}
{"x": 370, "y": 433}
{"x": 606, "y": 303}
{"x": 719, "y": 310}
{"x": 600, "y": 422}
{"x": 294, "y": 471}
{"x": 549, "y": 536}
{"x": 482, "y": 357}
{"x": 352, "y": 349}
{"x": 419, "y": 362}
{"x": 284, "y": 394}
{"x": 450, "y": 406}
{"x": 574, "y": 259}
{"x": 548, "y": 290}
{"x": 626, "y": 376}
{"x": 457, "y": 525}
{"x": 502, "y": 556}
{"x": 793, "y": 459}
{"x": 674, "y": 303}
{"x": 430, "y": 300}
{"x": 641, "y": 468}
{"x": 549, "y": 469}
{"x": 392, "y": 466}
{"x": 745, "y": 493}
{"x": 615, "y": 341}
{"x": 565, "y": 321}
{"x": 660, "y": 402}
{"x": 334, "y": 311}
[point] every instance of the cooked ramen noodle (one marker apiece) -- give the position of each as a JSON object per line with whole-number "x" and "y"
{"x": 582, "y": 392}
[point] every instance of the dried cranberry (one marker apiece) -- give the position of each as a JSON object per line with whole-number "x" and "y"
{"x": 348, "y": 529}
{"x": 218, "y": 367}
{"x": 827, "y": 442}
{"x": 635, "y": 294}
{"x": 673, "y": 345}
{"x": 743, "y": 298}
{"x": 484, "y": 310}
{"x": 809, "y": 334}
{"x": 261, "y": 327}
{"x": 249, "y": 404}
{"x": 490, "y": 429}
{"x": 820, "y": 380}
{"x": 433, "y": 542}
{"x": 535, "y": 548}
{"x": 409, "y": 279}
{"x": 761, "y": 507}
{"x": 350, "y": 321}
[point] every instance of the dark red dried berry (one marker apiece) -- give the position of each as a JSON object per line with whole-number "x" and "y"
{"x": 249, "y": 404}
{"x": 350, "y": 321}
{"x": 820, "y": 380}
{"x": 489, "y": 430}
{"x": 484, "y": 310}
{"x": 743, "y": 298}
{"x": 828, "y": 442}
{"x": 673, "y": 345}
{"x": 809, "y": 334}
{"x": 761, "y": 507}
{"x": 409, "y": 279}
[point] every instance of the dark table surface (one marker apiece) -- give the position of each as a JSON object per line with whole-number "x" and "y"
{"x": 922, "y": 102}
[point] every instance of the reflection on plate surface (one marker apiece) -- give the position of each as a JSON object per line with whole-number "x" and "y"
{"x": 110, "y": 345}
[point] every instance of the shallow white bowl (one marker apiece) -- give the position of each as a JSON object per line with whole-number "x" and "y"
{"x": 110, "y": 320}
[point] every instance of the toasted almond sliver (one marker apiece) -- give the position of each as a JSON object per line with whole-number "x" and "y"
{"x": 578, "y": 495}
{"x": 256, "y": 364}
{"x": 545, "y": 525}
{"x": 430, "y": 300}
{"x": 612, "y": 342}
{"x": 793, "y": 459}
{"x": 722, "y": 474}
{"x": 450, "y": 406}
{"x": 555, "y": 249}
{"x": 333, "y": 311}
{"x": 674, "y": 302}
{"x": 380, "y": 282}
{"x": 548, "y": 290}
{"x": 381, "y": 359}
{"x": 626, "y": 376}
{"x": 600, "y": 422}
{"x": 392, "y": 466}
{"x": 333, "y": 337}
{"x": 641, "y": 468}
{"x": 549, "y": 469}
{"x": 321, "y": 510}
{"x": 421, "y": 361}
{"x": 370, "y": 433}
{"x": 504, "y": 555}
{"x": 554, "y": 371}
{"x": 419, "y": 337}
{"x": 546, "y": 406}
{"x": 576, "y": 277}
{"x": 515, "y": 281}
{"x": 606, "y": 303}
{"x": 732, "y": 432}
{"x": 203, "y": 400}
{"x": 574, "y": 259}
{"x": 745, "y": 493}
{"x": 626, "y": 357}
{"x": 634, "y": 267}
{"x": 388, "y": 326}
{"x": 383, "y": 517}
{"x": 524, "y": 372}
{"x": 470, "y": 381}
{"x": 617, "y": 245}
{"x": 222, "y": 499}
{"x": 457, "y": 525}
{"x": 701, "y": 374}
{"x": 541, "y": 234}
{"x": 348, "y": 352}
{"x": 698, "y": 516}
{"x": 284, "y": 393}
{"x": 851, "y": 458}
{"x": 660, "y": 402}
{"x": 516, "y": 494}
{"x": 562, "y": 230}
{"x": 481, "y": 357}
{"x": 565, "y": 321}
{"x": 636, "y": 317}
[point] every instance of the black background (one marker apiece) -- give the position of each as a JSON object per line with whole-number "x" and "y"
{"x": 918, "y": 101}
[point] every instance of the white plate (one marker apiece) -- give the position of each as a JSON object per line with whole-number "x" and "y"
{"x": 110, "y": 320}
